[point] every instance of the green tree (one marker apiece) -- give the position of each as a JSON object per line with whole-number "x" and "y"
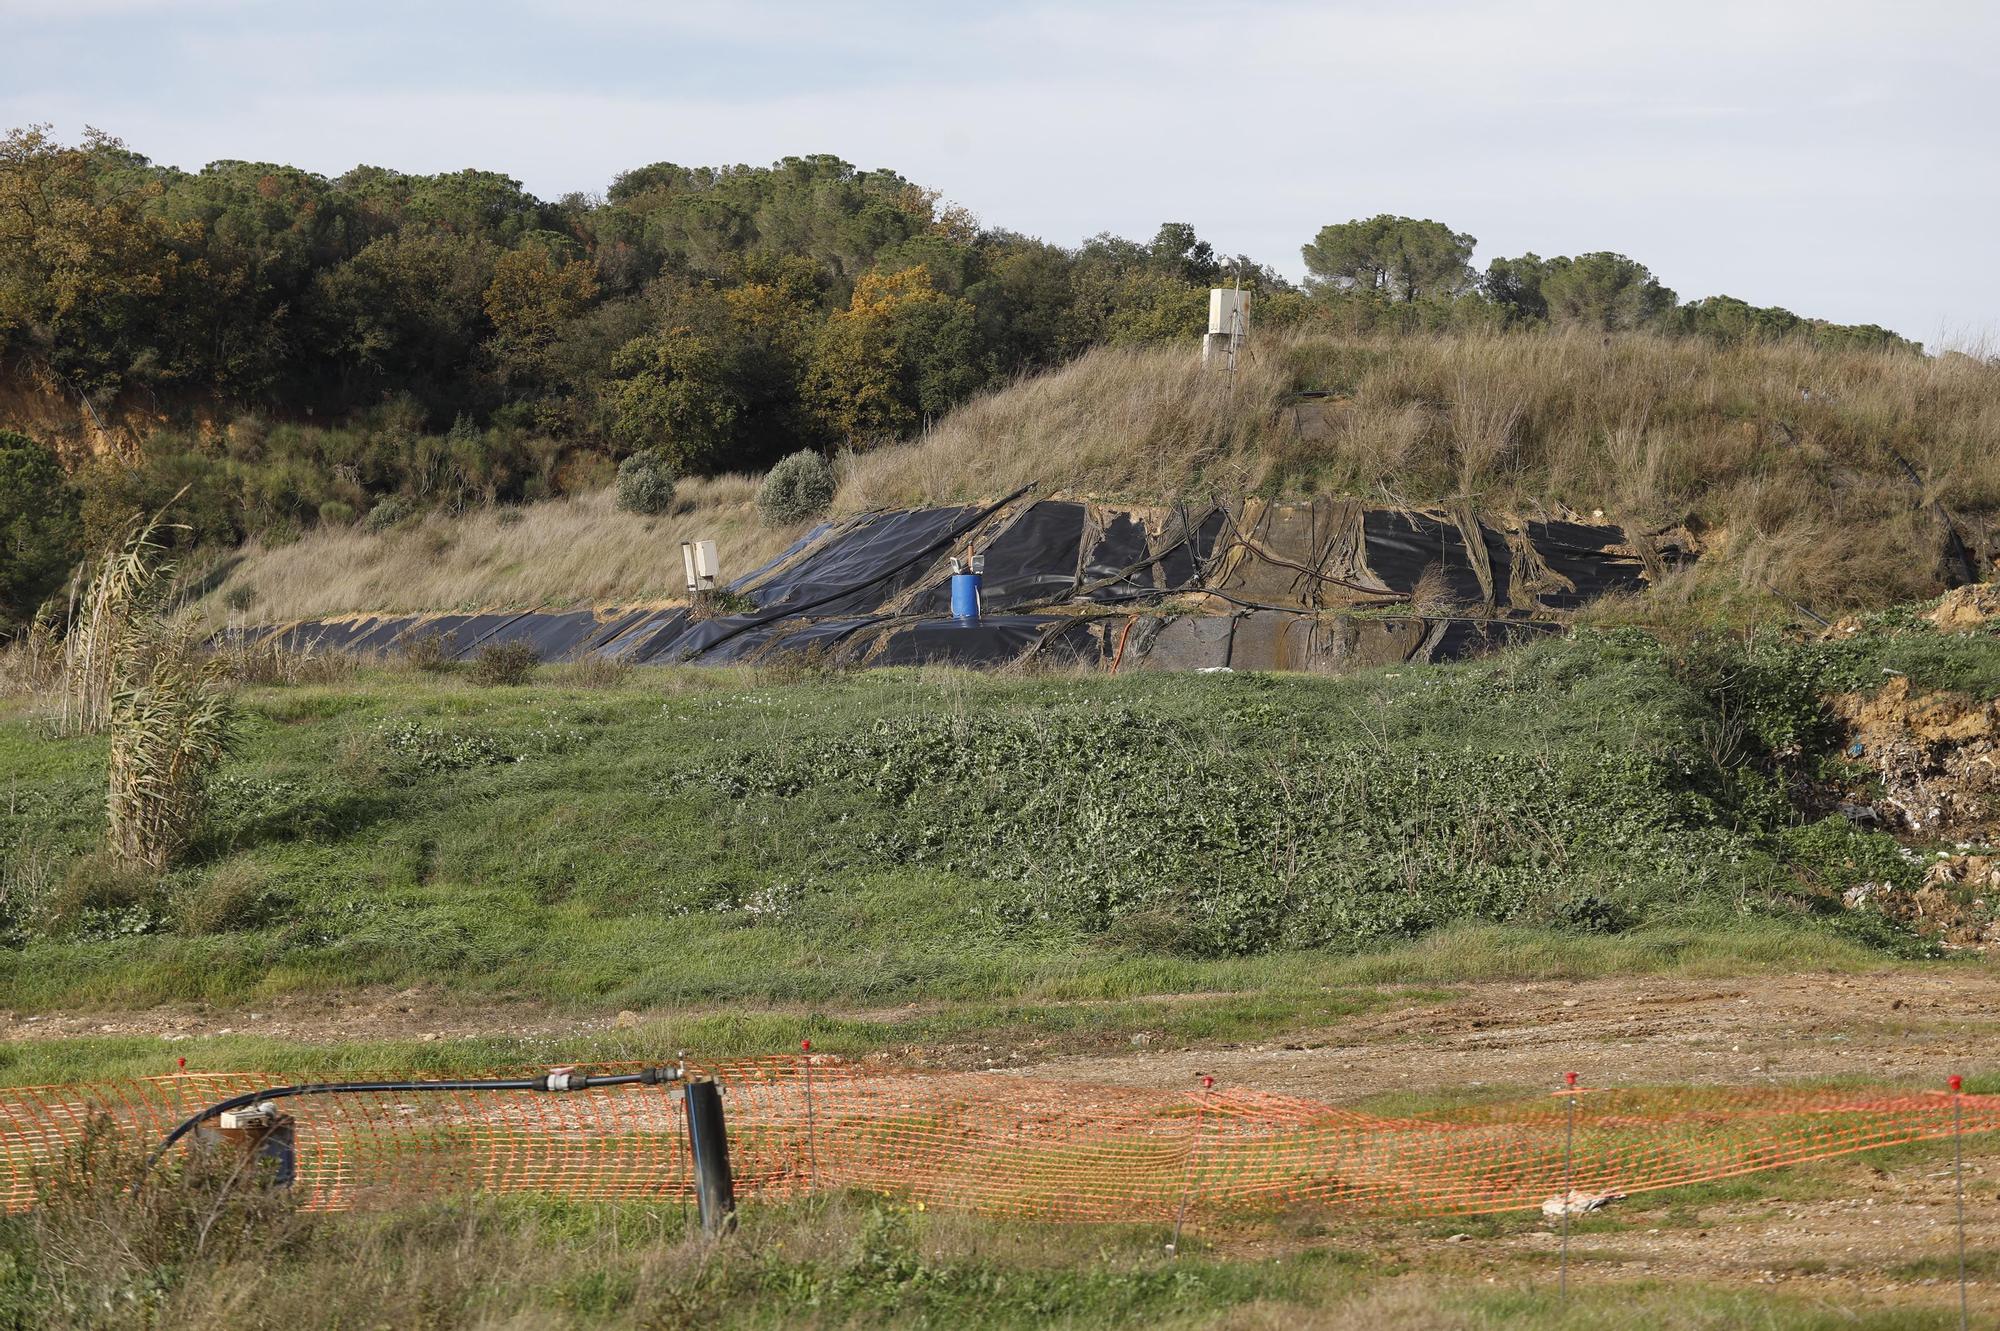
{"x": 408, "y": 312}
{"x": 41, "y": 533}
{"x": 1515, "y": 285}
{"x": 1604, "y": 290}
{"x": 89, "y": 279}
{"x": 531, "y": 301}
{"x": 901, "y": 351}
{"x": 1400, "y": 258}
{"x": 674, "y": 394}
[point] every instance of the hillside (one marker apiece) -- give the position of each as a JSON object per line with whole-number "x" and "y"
{"x": 1814, "y": 479}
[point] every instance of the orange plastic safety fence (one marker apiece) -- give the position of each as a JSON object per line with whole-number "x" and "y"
{"x": 1007, "y": 1144}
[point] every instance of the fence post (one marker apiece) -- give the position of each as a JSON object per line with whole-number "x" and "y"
{"x": 812, "y": 1139}
{"x": 715, "y": 1192}
{"x": 1569, "y": 1156}
{"x": 1187, "y": 1179}
{"x": 1958, "y": 1187}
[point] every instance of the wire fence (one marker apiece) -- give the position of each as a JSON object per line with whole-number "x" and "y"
{"x": 1010, "y": 1144}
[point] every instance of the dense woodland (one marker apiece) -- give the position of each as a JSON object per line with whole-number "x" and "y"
{"x": 320, "y": 350}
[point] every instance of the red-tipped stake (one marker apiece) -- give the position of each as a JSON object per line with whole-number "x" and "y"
{"x": 1187, "y": 1181}
{"x": 1958, "y": 1187}
{"x": 812, "y": 1138}
{"x": 181, "y": 1064}
{"x": 1569, "y": 1155}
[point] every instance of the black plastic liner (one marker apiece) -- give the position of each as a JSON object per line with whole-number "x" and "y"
{"x": 1277, "y": 587}
{"x": 860, "y": 566}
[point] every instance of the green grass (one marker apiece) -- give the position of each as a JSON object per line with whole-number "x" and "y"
{"x": 830, "y": 846}
{"x": 836, "y": 1261}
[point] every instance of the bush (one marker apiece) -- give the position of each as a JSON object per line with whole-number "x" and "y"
{"x": 646, "y": 482}
{"x": 235, "y": 897}
{"x": 594, "y": 672}
{"x": 505, "y": 663}
{"x": 99, "y": 889}
{"x": 388, "y": 513}
{"x": 336, "y": 513}
{"x": 431, "y": 652}
{"x": 799, "y": 487}
{"x": 40, "y": 529}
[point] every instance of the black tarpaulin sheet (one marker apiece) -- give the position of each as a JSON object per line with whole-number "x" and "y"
{"x": 995, "y": 640}
{"x": 1402, "y": 548}
{"x": 826, "y": 638}
{"x": 1592, "y": 561}
{"x": 1188, "y": 550}
{"x": 840, "y": 589}
{"x": 790, "y": 552}
{"x": 612, "y": 630}
{"x": 862, "y": 566}
{"x": 443, "y": 627}
{"x": 556, "y": 636}
{"x": 326, "y": 636}
{"x": 473, "y": 633}
{"x": 1030, "y": 561}
{"x": 648, "y": 639}
{"x": 1117, "y": 560}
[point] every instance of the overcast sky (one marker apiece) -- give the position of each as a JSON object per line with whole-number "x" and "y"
{"x": 1838, "y": 158}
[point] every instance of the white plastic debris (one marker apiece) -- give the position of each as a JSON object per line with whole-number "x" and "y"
{"x": 1577, "y": 1203}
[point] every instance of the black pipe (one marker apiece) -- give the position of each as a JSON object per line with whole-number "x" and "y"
{"x": 714, "y": 1189}
{"x": 554, "y": 1081}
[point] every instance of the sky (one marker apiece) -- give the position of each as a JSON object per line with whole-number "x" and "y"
{"x": 1835, "y": 157}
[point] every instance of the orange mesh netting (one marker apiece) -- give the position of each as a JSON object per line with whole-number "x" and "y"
{"x": 1006, "y": 1143}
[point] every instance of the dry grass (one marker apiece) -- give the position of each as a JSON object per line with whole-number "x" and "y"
{"x": 1119, "y": 423}
{"x": 1784, "y": 456}
{"x": 559, "y": 553}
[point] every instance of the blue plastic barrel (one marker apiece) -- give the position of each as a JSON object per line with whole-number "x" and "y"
{"x": 965, "y": 597}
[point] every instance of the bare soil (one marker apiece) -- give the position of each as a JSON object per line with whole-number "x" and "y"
{"x": 1846, "y": 1231}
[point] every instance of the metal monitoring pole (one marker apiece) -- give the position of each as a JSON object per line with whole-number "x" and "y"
{"x": 714, "y": 1190}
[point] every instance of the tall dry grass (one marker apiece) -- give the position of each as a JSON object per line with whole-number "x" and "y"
{"x": 558, "y": 553}
{"x": 1782, "y": 455}
{"x": 1118, "y": 423}
{"x": 1786, "y": 458}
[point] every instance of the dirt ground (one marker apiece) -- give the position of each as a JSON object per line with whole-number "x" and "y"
{"x": 1914, "y": 1025}
{"x": 1919, "y": 1025}
{"x": 1844, "y": 1230}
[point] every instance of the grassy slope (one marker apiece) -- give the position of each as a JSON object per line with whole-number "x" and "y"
{"x": 696, "y": 837}
{"x": 1782, "y": 453}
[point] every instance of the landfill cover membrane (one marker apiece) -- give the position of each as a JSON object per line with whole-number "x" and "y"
{"x": 1322, "y": 586}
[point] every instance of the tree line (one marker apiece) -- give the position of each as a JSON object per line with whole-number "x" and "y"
{"x": 377, "y": 343}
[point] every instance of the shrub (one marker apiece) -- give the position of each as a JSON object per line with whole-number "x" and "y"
{"x": 431, "y": 652}
{"x": 39, "y": 526}
{"x": 171, "y": 724}
{"x": 388, "y": 513}
{"x": 594, "y": 672}
{"x": 336, "y": 513}
{"x": 505, "y": 663}
{"x": 799, "y": 487}
{"x": 239, "y": 597}
{"x": 646, "y": 482}
{"x": 236, "y": 896}
{"x": 101, "y": 884}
